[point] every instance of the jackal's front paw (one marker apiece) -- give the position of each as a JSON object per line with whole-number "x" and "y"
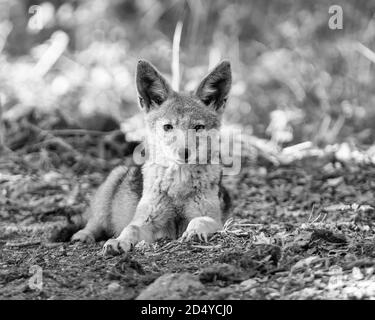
{"x": 83, "y": 236}
{"x": 200, "y": 227}
{"x": 115, "y": 246}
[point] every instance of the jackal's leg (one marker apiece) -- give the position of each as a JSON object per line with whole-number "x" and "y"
{"x": 150, "y": 223}
{"x": 113, "y": 205}
{"x": 204, "y": 216}
{"x": 92, "y": 231}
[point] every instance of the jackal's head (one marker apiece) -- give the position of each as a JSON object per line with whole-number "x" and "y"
{"x": 181, "y": 127}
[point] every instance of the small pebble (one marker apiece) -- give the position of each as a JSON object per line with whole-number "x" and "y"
{"x": 114, "y": 287}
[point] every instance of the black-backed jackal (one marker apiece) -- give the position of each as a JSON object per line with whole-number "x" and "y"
{"x": 171, "y": 196}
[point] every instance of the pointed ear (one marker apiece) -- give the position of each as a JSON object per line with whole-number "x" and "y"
{"x": 214, "y": 88}
{"x": 152, "y": 88}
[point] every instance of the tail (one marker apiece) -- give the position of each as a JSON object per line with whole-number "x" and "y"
{"x": 225, "y": 200}
{"x": 63, "y": 233}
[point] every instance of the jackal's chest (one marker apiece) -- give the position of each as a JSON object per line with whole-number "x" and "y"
{"x": 183, "y": 181}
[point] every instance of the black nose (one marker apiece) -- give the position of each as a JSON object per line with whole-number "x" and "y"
{"x": 184, "y": 153}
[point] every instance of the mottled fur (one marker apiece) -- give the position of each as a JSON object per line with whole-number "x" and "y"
{"x": 170, "y": 197}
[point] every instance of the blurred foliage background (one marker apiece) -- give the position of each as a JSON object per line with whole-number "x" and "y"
{"x": 70, "y": 64}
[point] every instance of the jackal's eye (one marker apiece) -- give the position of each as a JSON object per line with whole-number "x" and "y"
{"x": 167, "y": 127}
{"x": 199, "y": 127}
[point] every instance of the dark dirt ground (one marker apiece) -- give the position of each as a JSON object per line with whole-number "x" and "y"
{"x": 298, "y": 231}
